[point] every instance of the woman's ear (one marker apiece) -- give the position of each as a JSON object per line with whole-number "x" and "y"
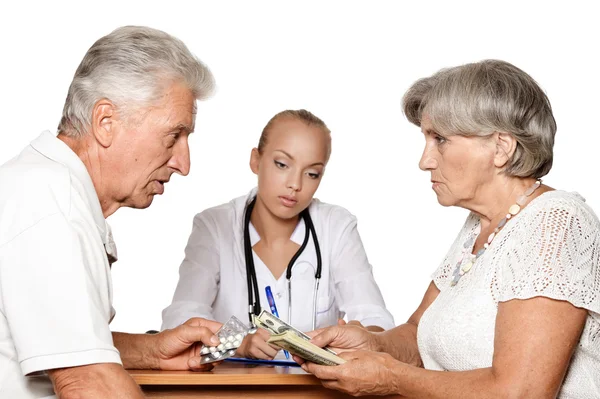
{"x": 254, "y": 160}
{"x": 506, "y": 144}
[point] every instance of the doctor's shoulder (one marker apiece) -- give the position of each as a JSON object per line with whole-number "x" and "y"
{"x": 220, "y": 221}
{"x": 331, "y": 218}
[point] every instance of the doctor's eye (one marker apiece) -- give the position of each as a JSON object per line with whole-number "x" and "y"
{"x": 280, "y": 165}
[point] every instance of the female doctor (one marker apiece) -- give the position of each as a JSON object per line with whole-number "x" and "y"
{"x": 309, "y": 253}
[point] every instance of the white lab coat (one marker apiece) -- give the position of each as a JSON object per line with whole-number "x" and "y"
{"x": 212, "y": 277}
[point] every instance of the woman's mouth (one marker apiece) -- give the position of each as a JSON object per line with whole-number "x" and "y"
{"x": 288, "y": 201}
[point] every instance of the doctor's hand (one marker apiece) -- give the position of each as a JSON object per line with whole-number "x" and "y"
{"x": 255, "y": 346}
{"x": 179, "y": 348}
{"x": 364, "y": 373}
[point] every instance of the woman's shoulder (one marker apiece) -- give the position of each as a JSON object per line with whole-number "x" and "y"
{"x": 562, "y": 205}
{"x": 330, "y": 213}
{"x": 223, "y": 214}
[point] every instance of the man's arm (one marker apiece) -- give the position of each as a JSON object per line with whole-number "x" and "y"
{"x": 104, "y": 380}
{"x": 174, "y": 349}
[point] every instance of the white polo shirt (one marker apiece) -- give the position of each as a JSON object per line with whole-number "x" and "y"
{"x": 55, "y": 284}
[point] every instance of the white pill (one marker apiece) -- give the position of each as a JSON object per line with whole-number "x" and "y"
{"x": 223, "y": 340}
{"x": 229, "y": 345}
{"x": 207, "y": 359}
{"x": 216, "y": 355}
{"x": 239, "y": 337}
{"x": 212, "y": 349}
{"x": 204, "y": 351}
{"x": 231, "y": 353}
{"x": 231, "y": 338}
{"x": 236, "y": 343}
{"x": 221, "y": 347}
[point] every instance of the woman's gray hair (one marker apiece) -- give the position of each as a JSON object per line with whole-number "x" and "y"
{"x": 131, "y": 67}
{"x": 490, "y": 96}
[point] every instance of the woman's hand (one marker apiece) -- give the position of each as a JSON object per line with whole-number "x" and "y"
{"x": 255, "y": 346}
{"x": 345, "y": 338}
{"x": 342, "y": 322}
{"x": 364, "y": 373}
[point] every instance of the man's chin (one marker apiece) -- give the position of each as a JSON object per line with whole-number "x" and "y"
{"x": 143, "y": 203}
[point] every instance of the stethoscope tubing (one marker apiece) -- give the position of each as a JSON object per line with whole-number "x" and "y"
{"x": 254, "y": 307}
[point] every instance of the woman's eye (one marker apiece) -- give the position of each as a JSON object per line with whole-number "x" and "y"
{"x": 439, "y": 139}
{"x": 313, "y": 175}
{"x": 280, "y": 165}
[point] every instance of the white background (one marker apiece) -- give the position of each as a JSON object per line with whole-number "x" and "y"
{"x": 349, "y": 63}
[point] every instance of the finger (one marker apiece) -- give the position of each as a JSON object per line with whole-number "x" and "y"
{"x": 355, "y": 323}
{"x": 326, "y": 337}
{"x": 341, "y": 322}
{"x": 212, "y": 325}
{"x": 264, "y": 334}
{"x": 315, "y": 332}
{"x": 190, "y": 334}
{"x": 195, "y": 365}
{"x": 321, "y": 372}
{"x": 262, "y": 349}
{"x": 298, "y": 360}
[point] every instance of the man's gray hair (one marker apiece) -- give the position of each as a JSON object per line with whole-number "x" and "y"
{"x": 490, "y": 96}
{"x": 131, "y": 67}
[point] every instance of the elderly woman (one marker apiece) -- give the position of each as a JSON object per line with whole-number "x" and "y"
{"x": 513, "y": 309}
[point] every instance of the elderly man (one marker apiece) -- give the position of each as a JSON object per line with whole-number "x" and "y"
{"x": 123, "y": 133}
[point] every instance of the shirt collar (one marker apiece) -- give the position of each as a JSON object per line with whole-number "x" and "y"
{"x": 51, "y": 147}
{"x": 297, "y": 235}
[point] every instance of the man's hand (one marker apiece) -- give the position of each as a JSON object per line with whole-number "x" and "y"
{"x": 179, "y": 348}
{"x": 364, "y": 373}
{"x": 255, "y": 346}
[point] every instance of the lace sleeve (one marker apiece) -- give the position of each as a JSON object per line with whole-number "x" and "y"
{"x": 555, "y": 254}
{"x": 443, "y": 274}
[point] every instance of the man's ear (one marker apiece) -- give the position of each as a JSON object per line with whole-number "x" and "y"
{"x": 254, "y": 160}
{"x": 104, "y": 122}
{"x": 506, "y": 145}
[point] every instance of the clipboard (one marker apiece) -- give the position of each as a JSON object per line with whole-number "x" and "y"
{"x": 277, "y": 362}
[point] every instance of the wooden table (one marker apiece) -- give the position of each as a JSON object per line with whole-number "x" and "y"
{"x": 234, "y": 380}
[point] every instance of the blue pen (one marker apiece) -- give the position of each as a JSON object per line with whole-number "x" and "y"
{"x": 274, "y": 310}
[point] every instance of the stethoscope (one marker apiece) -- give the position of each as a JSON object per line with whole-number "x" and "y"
{"x": 253, "y": 297}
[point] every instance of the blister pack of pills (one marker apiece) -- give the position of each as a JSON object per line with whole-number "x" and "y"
{"x": 231, "y": 335}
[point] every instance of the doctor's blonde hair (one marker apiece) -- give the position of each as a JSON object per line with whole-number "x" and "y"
{"x": 301, "y": 115}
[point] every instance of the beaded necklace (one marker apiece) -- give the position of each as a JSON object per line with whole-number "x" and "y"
{"x": 462, "y": 269}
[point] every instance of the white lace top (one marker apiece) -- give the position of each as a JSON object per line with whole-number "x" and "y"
{"x": 551, "y": 249}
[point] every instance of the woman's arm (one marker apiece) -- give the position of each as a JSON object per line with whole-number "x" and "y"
{"x": 400, "y": 342}
{"x": 534, "y": 341}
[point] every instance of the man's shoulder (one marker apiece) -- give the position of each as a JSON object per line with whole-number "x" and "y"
{"x": 30, "y": 166}
{"x": 33, "y": 187}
